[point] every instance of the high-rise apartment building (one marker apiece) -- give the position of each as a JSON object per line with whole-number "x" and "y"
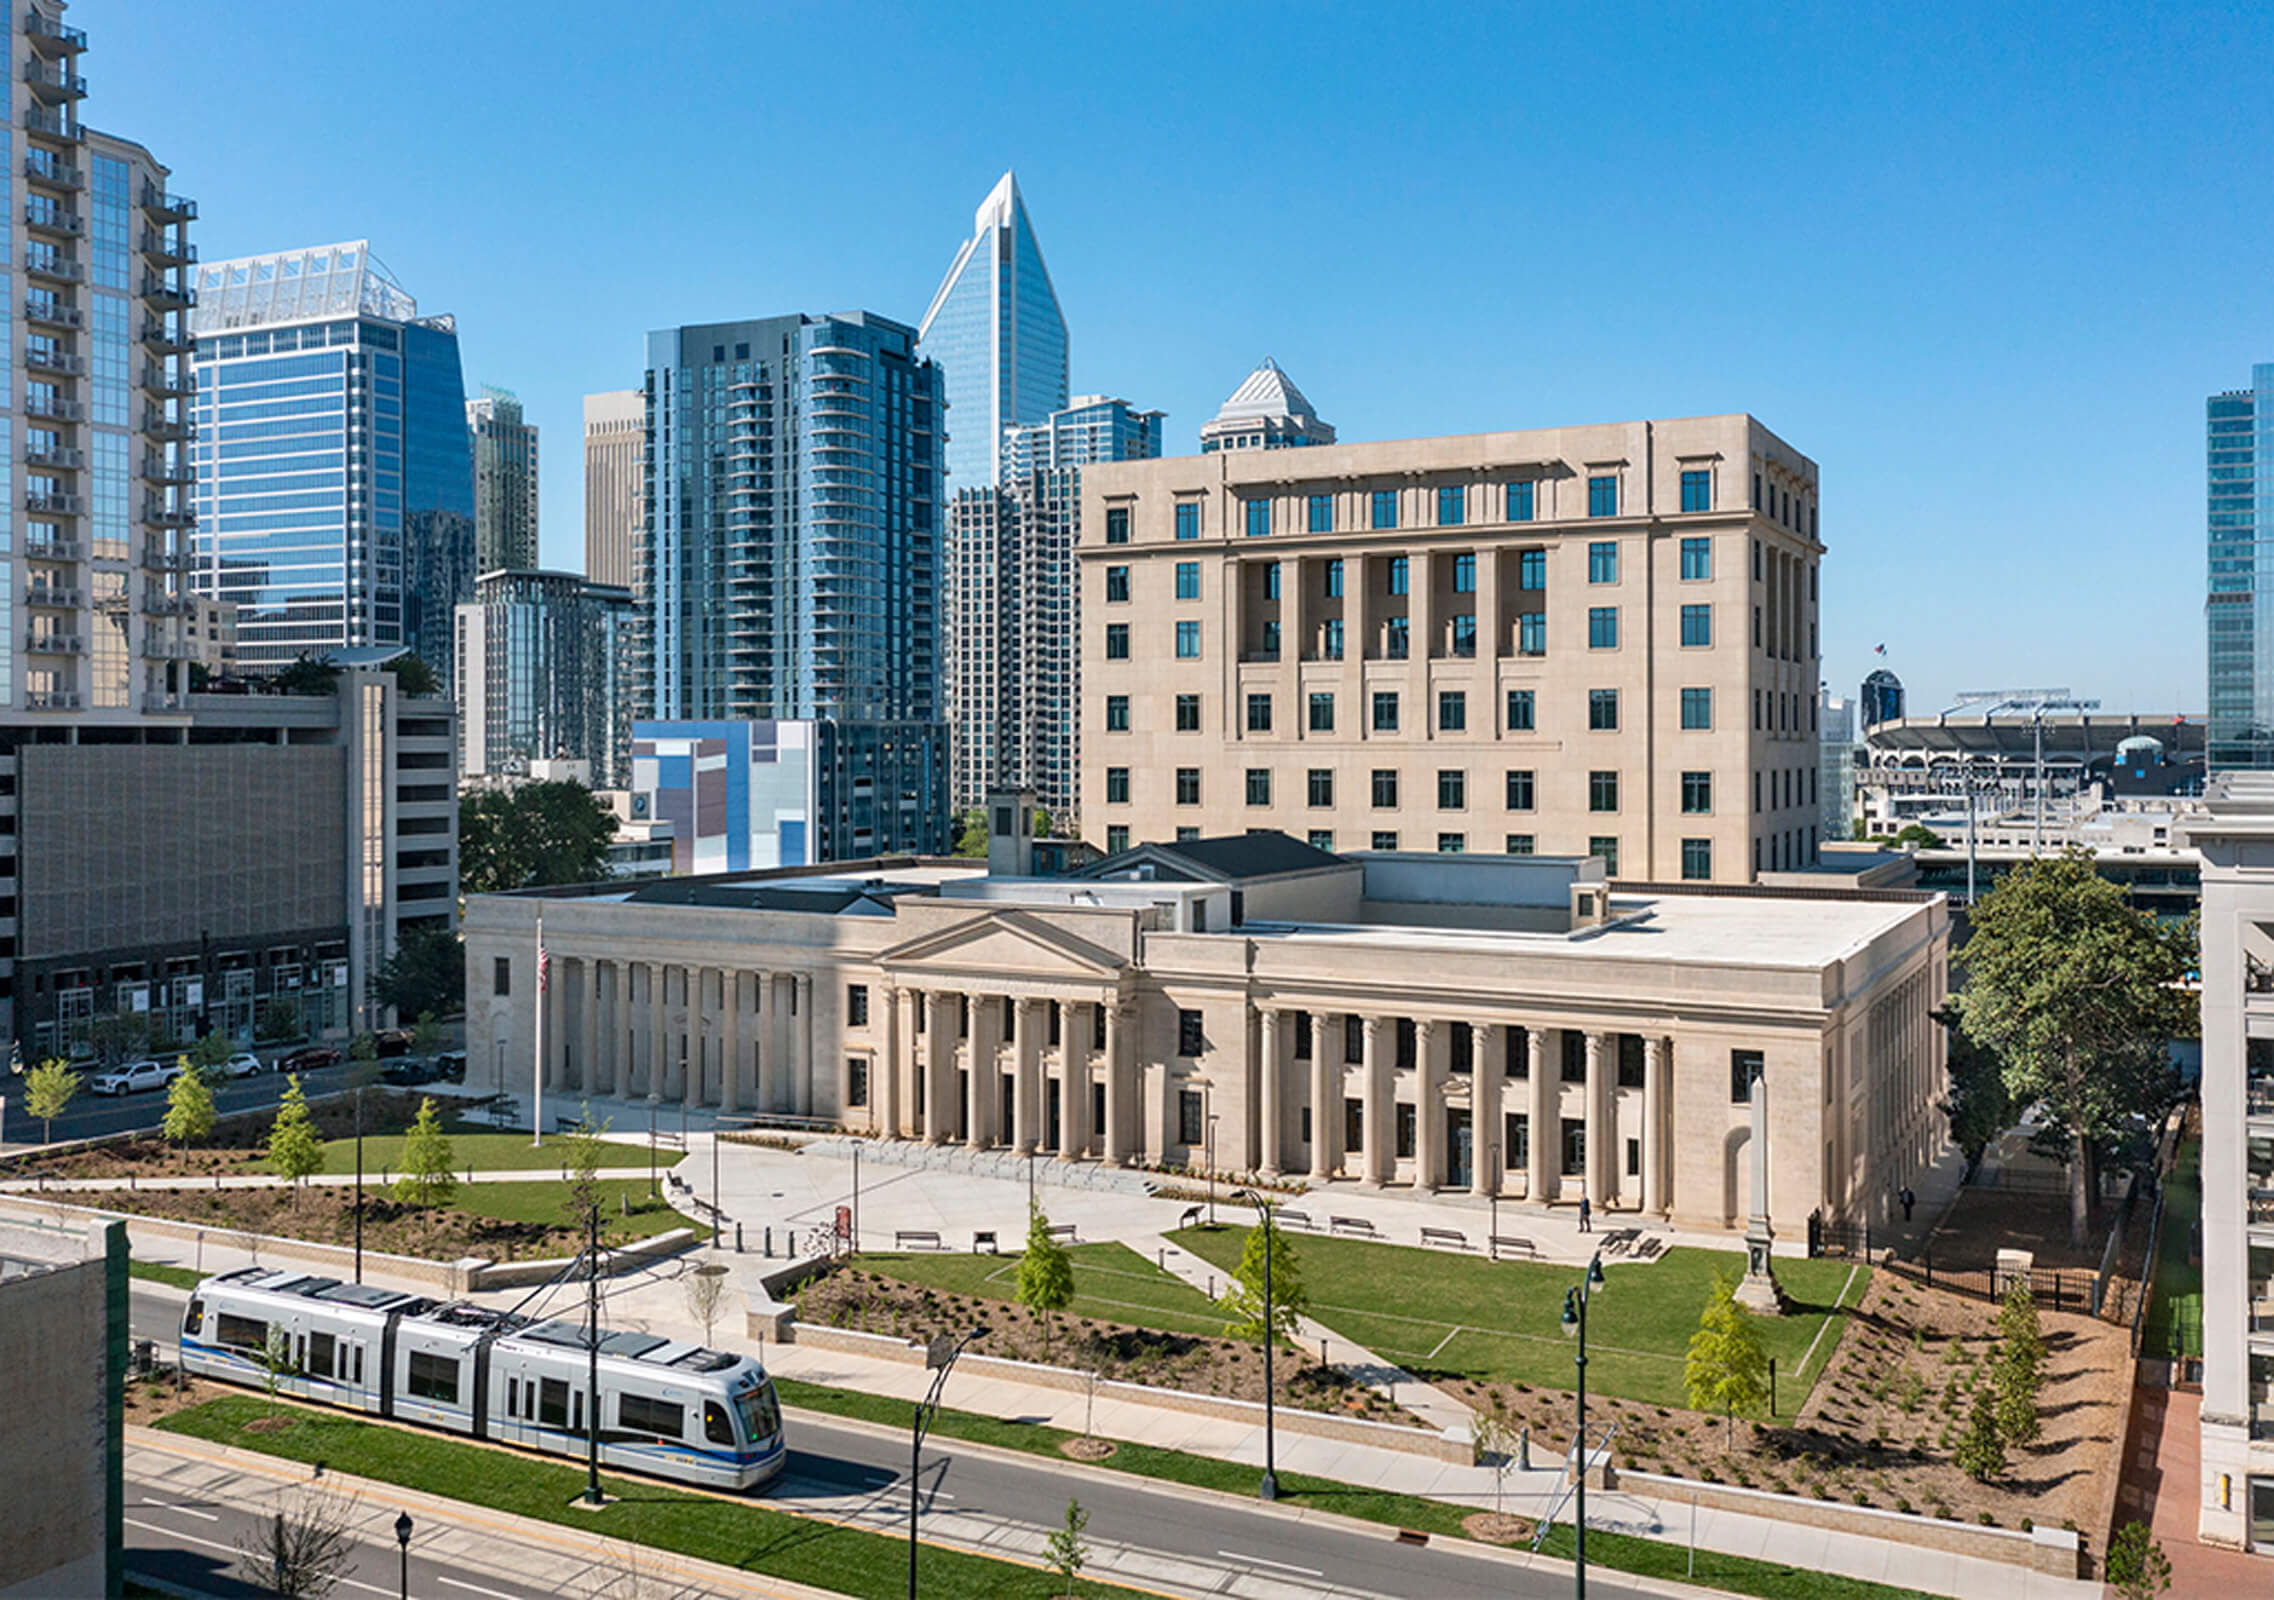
{"x": 504, "y": 448}
{"x": 995, "y": 329}
{"x": 335, "y": 486}
{"x": 1591, "y": 641}
{"x": 539, "y": 654}
{"x": 1014, "y": 605}
{"x": 2238, "y": 610}
{"x": 615, "y": 447}
{"x": 1266, "y": 412}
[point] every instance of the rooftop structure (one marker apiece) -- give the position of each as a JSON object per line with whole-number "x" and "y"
{"x": 1266, "y": 412}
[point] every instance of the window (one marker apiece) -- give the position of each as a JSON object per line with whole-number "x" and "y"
{"x": 1271, "y": 580}
{"x": 1385, "y": 711}
{"x": 857, "y": 1080}
{"x": 1188, "y": 713}
{"x": 1259, "y": 713}
{"x": 1330, "y": 640}
{"x": 1259, "y": 786}
{"x": 1697, "y": 560}
{"x": 1633, "y": 1070}
{"x": 1188, "y": 786}
{"x": 1384, "y": 841}
{"x": 1520, "y": 501}
{"x": 1191, "y": 1038}
{"x": 1574, "y": 1064}
{"x": 1465, "y": 634}
{"x": 1385, "y": 508}
{"x": 323, "y": 1355}
{"x": 1697, "y": 858}
{"x": 1330, "y": 579}
{"x": 1188, "y": 580}
{"x": 1189, "y": 1129}
{"x": 1532, "y": 569}
{"x": 1602, "y": 627}
{"x": 1603, "y": 496}
{"x": 1117, "y": 713}
{"x": 1602, "y": 791}
{"x": 552, "y": 1403}
{"x": 857, "y": 1005}
{"x": 1385, "y": 789}
{"x": 1321, "y": 787}
{"x": 240, "y": 1333}
{"x": 1697, "y": 626}
{"x": 1452, "y": 789}
{"x": 1603, "y": 562}
{"x": 1116, "y": 584}
{"x": 1405, "y": 1132}
{"x": 1319, "y": 839}
{"x": 1321, "y": 712}
{"x": 1520, "y": 704}
{"x": 1188, "y": 520}
{"x": 1697, "y": 794}
{"x": 1756, "y": 627}
{"x": 1116, "y": 838}
{"x": 1519, "y": 844}
{"x": 1452, "y": 506}
{"x": 433, "y": 1377}
{"x": 1353, "y": 1038}
{"x": 1117, "y": 641}
{"x": 1258, "y": 514}
{"x": 1756, "y": 542}
{"x": 1603, "y": 710}
{"x": 1744, "y": 1067}
{"x": 1521, "y": 790}
{"x": 1532, "y": 633}
{"x": 1756, "y": 497}
{"x": 1271, "y": 640}
{"x": 1605, "y": 846}
{"x": 1396, "y": 644}
{"x": 1697, "y": 709}
{"x": 638, "y": 1413}
{"x": 1322, "y": 513}
{"x": 717, "y": 1428}
{"x": 1188, "y": 641}
{"x": 1452, "y": 844}
{"x": 1452, "y": 711}
{"x": 1117, "y": 786}
{"x": 1117, "y": 525}
{"x": 501, "y": 976}
{"x": 1697, "y": 490}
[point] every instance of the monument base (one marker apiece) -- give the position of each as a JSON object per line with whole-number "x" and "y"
{"x": 1758, "y": 1293}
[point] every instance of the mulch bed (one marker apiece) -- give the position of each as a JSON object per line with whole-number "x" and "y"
{"x": 326, "y": 1214}
{"x": 237, "y": 1141}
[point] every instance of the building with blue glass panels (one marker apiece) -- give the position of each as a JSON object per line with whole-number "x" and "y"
{"x": 539, "y": 659}
{"x": 334, "y": 478}
{"x": 2238, "y": 609}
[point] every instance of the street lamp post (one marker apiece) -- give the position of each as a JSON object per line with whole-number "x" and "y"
{"x": 940, "y": 1357}
{"x": 1269, "y": 1489}
{"x": 718, "y": 1222}
{"x": 1575, "y": 1323}
{"x": 403, "y": 1538}
{"x": 359, "y": 1183}
{"x": 1208, "y": 1143}
{"x": 592, "y": 1495}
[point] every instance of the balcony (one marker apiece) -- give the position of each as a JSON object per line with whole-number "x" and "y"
{"x": 167, "y": 296}
{"x": 165, "y": 702}
{"x": 51, "y": 699}
{"x": 43, "y": 168}
{"x": 167, "y": 249}
{"x": 46, "y": 311}
{"x": 59, "y": 268}
{"x": 157, "y": 648}
{"x": 51, "y": 38}
{"x": 156, "y": 604}
{"x": 169, "y": 385}
{"x": 164, "y": 338}
{"x": 58, "y": 361}
{"x": 55, "y": 550}
{"x": 160, "y": 515}
{"x": 55, "y": 644}
{"x": 54, "y": 85}
{"x": 59, "y": 125}
{"x": 157, "y": 469}
{"x": 53, "y": 505}
{"x": 56, "y": 458}
{"x": 171, "y": 430}
{"x": 160, "y": 206}
{"x": 157, "y": 560}
{"x": 53, "y": 220}
{"x": 53, "y": 598}
{"x": 54, "y": 407}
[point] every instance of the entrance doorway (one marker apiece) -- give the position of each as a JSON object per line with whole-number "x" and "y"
{"x": 1458, "y": 1139}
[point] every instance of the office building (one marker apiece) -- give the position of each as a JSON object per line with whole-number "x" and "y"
{"x": 1593, "y": 641}
{"x": 995, "y": 330}
{"x": 539, "y": 654}
{"x": 615, "y": 448}
{"x": 1014, "y": 606}
{"x": 212, "y": 630}
{"x": 2238, "y": 610}
{"x": 1266, "y": 412}
{"x": 743, "y": 795}
{"x": 504, "y": 448}
{"x": 308, "y": 360}
{"x": 793, "y": 516}
{"x": 1512, "y": 1028}
{"x": 2235, "y": 1493}
{"x": 1836, "y": 746}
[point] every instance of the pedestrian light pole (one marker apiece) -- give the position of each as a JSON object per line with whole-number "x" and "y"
{"x": 1269, "y": 1489}
{"x": 403, "y": 1538}
{"x": 1575, "y": 1324}
{"x": 359, "y": 1183}
{"x": 940, "y": 1357}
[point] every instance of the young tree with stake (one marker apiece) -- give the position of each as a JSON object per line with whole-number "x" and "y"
{"x": 428, "y": 1158}
{"x": 1726, "y": 1369}
{"x": 294, "y": 1149}
{"x": 48, "y": 1090}
{"x": 1046, "y": 1273}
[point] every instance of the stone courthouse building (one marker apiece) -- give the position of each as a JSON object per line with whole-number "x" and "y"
{"x": 1509, "y": 1026}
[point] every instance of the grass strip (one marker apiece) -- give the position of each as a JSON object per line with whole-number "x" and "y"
{"x": 477, "y": 1152}
{"x": 1619, "y": 1552}
{"x": 2173, "y": 1327}
{"x": 733, "y": 1531}
{"x": 179, "y": 1277}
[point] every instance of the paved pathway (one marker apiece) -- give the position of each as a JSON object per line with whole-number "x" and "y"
{"x": 2163, "y": 1473}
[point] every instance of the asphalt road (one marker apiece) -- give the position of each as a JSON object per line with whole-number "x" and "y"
{"x": 1205, "y": 1546}
{"x": 90, "y": 1115}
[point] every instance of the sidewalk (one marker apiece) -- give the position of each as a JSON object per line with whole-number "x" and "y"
{"x": 2163, "y": 1474}
{"x": 373, "y": 1178}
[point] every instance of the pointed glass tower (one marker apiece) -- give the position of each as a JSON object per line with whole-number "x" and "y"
{"x": 995, "y": 329}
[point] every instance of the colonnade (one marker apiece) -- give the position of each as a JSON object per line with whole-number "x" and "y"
{"x": 715, "y": 1036}
{"x": 1022, "y": 1070}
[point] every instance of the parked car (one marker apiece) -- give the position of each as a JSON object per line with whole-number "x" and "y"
{"x": 451, "y": 1064}
{"x": 310, "y": 1056}
{"x": 393, "y": 1041}
{"x": 408, "y": 1071}
{"x": 244, "y": 1064}
{"x": 134, "y": 1077}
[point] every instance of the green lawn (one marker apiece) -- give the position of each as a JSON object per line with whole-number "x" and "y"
{"x": 179, "y": 1277}
{"x": 738, "y": 1532}
{"x": 1111, "y": 1283}
{"x": 477, "y": 1152}
{"x": 1441, "y": 1314}
{"x": 627, "y": 1210}
{"x": 2174, "y": 1324}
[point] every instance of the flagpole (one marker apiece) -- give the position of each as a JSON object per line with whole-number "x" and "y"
{"x": 537, "y": 1067}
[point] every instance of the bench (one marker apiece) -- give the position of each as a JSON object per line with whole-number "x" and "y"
{"x": 1508, "y": 1245}
{"x": 1650, "y": 1248}
{"x": 1353, "y": 1225}
{"x": 984, "y": 1241}
{"x": 1063, "y": 1231}
{"x": 917, "y": 1239}
{"x": 1190, "y": 1219}
{"x": 563, "y": 1124}
{"x": 1296, "y": 1219}
{"x": 1618, "y": 1241}
{"x": 1445, "y": 1238}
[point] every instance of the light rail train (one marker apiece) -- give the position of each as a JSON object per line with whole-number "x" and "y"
{"x": 671, "y": 1409}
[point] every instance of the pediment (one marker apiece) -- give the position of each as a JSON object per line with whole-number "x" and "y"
{"x": 1009, "y": 943}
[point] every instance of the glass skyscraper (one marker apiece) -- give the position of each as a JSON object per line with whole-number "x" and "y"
{"x": 538, "y": 658}
{"x": 994, "y": 327}
{"x": 505, "y": 481}
{"x": 2238, "y": 609}
{"x": 335, "y": 483}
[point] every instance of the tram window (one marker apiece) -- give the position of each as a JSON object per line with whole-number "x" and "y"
{"x": 433, "y": 1377}
{"x": 513, "y": 1397}
{"x": 243, "y": 1333}
{"x": 194, "y": 1323}
{"x": 358, "y": 1366}
{"x": 716, "y": 1427}
{"x": 643, "y": 1415}
{"x": 322, "y": 1355}
{"x": 553, "y": 1403}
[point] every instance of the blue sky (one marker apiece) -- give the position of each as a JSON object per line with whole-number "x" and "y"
{"x": 1982, "y": 264}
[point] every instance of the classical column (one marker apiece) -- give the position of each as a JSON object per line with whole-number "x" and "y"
{"x": 1598, "y": 1125}
{"x": 1653, "y": 1125}
{"x": 730, "y": 1039}
{"x": 1268, "y": 1073}
{"x": 1076, "y": 1030}
{"x": 698, "y": 1041}
{"x": 939, "y": 1066}
{"x": 656, "y": 987}
{"x": 1118, "y": 1088}
{"x": 1326, "y": 1096}
{"x": 1380, "y": 1138}
{"x": 986, "y": 1075}
{"x": 884, "y": 1064}
{"x": 801, "y": 1040}
{"x": 1428, "y": 1108}
{"x": 1546, "y": 1117}
{"x": 1485, "y": 1120}
{"x": 617, "y": 1078}
{"x": 588, "y": 1026}
{"x": 556, "y": 1047}
{"x": 1026, "y": 1092}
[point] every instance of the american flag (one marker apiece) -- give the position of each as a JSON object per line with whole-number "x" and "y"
{"x": 544, "y": 968}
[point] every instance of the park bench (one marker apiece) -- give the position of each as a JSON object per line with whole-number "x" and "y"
{"x": 983, "y": 1241}
{"x": 1618, "y": 1241}
{"x": 1353, "y": 1225}
{"x": 567, "y": 1124}
{"x": 1063, "y": 1231}
{"x": 1296, "y": 1219}
{"x": 1445, "y": 1238}
{"x": 1650, "y": 1248}
{"x": 917, "y": 1239}
{"x": 1504, "y": 1244}
{"x": 1190, "y": 1219}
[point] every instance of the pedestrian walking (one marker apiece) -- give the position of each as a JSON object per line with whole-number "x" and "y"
{"x": 1586, "y": 1216}
{"x": 1908, "y": 1200}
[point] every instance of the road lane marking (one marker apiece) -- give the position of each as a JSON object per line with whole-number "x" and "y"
{"x": 160, "y": 1505}
{"x": 1260, "y": 1561}
{"x": 456, "y": 1583}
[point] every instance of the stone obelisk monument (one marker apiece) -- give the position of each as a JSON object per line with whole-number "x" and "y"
{"x": 1759, "y": 1291}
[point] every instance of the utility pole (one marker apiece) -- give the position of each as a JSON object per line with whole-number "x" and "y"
{"x": 592, "y": 1495}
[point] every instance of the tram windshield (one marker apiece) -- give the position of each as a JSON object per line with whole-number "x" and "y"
{"x": 761, "y": 1413}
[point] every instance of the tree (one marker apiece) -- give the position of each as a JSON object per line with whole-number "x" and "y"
{"x": 305, "y": 1549}
{"x": 210, "y": 1054}
{"x": 189, "y": 1106}
{"x": 2079, "y": 995}
{"x": 294, "y": 1150}
{"x": 48, "y": 1088}
{"x": 580, "y": 1157}
{"x": 284, "y": 1015}
{"x": 1068, "y": 1552}
{"x": 2017, "y": 1373}
{"x": 1494, "y": 1438}
{"x": 274, "y": 1358}
{"x": 1046, "y": 1273}
{"x": 426, "y": 975}
{"x": 1981, "y": 1453}
{"x": 426, "y": 1035}
{"x": 1244, "y": 1295}
{"x": 971, "y": 832}
{"x": 413, "y": 677}
{"x": 705, "y": 1292}
{"x": 1726, "y": 1369}
{"x": 1978, "y": 1106}
{"x": 533, "y": 836}
{"x": 2136, "y": 1564}
{"x": 1918, "y": 835}
{"x": 307, "y": 675}
{"x": 364, "y": 1047}
{"x": 427, "y": 1178}
{"x": 118, "y": 1034}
